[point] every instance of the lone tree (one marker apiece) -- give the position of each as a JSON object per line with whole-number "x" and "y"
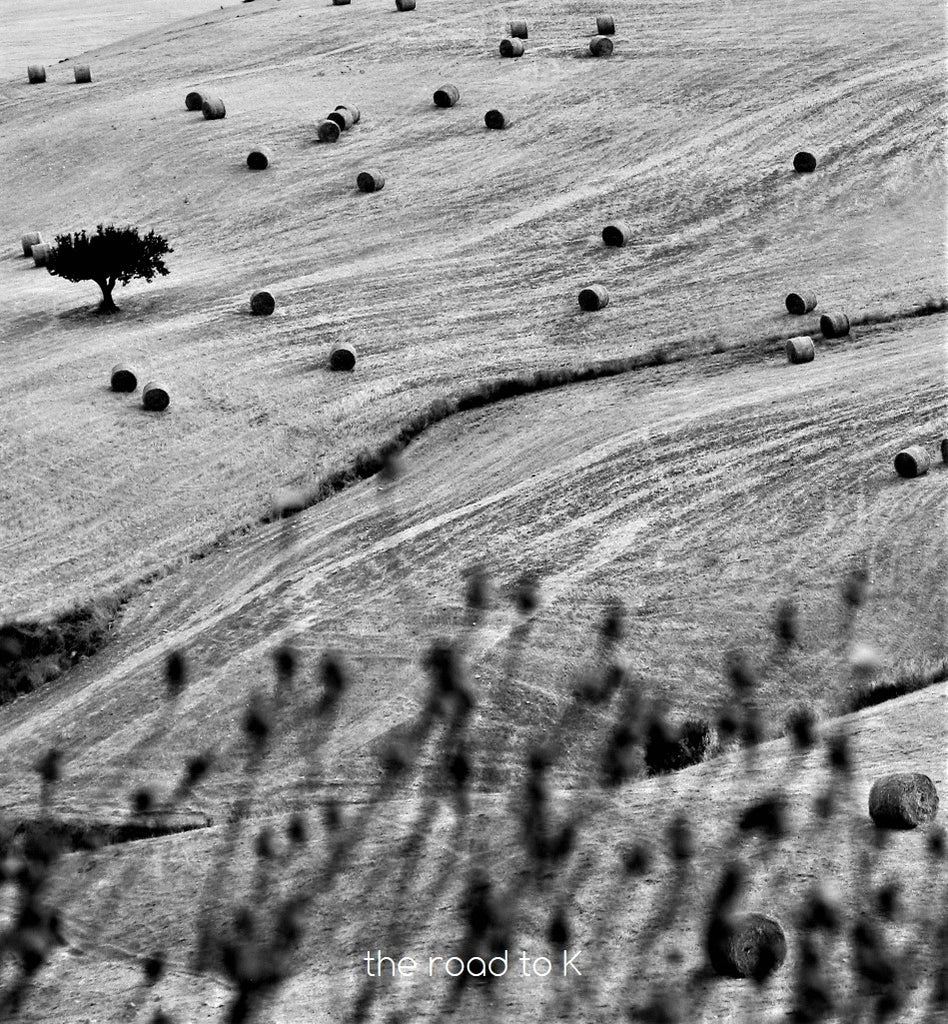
{"x": 110, "y": 255}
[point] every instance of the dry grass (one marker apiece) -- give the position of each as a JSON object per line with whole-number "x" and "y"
{"x": 691, "y": 171}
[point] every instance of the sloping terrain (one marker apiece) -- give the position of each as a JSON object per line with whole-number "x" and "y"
{"x": 699, "y": 494}
{"x": 465, "y": 266}
{"x": 153, "y": 895}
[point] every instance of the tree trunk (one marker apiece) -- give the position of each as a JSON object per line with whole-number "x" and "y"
{"x": 107, "y": 305}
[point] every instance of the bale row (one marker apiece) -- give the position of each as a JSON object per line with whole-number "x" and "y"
{"x": 30, "y": 239}
{"x": 337, "y": 121}
{"x": 212, "y": 107}
{"x": 36, "y": 73}
{"x": 155, "y": 396}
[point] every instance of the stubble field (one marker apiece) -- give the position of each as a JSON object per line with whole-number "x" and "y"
{"x": 699, "y": 492}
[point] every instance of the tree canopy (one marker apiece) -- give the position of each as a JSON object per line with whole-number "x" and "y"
{"x": 111, "y": 255}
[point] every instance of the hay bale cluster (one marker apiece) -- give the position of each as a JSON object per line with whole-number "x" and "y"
{"x": 340, "y": 119}
{"x": 30, "y": 239}
{"x": 903, "y": 800}
{"x": 155, "y": 396}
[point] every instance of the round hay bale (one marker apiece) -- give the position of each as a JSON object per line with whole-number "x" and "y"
{"x": 39, "y": 253}
{"x": 213, "y": 108}
{"x": 356, "y": 115}
{"x": 944, "y": 449}
{"x": 616, "y": 234}
{"x": 834, "y": 325}
{"x": 495, "y": 119}
{"x": 155, "y": 397}
{"x": 342, "y": 356}
{"x": 340, "y": 3}
{"x": 446, "y": 96}
{"x": 343, "y": 117}
{"x": 800, "y": 349}
{"x": 405, "y": 5}
{"x": 594, "y": 297}
{"x": 36, "y": 73}
{"x": 912, "y": 462}
{"x": 328, "y": 131}
{"x": 83, "y": 73}
{"x": 605, "y": 25}
{"x": 194, "y": 101}
{"x": 600, "y": 46}
{"x": 30, "y": 239}
{"x": 123, "y": 378}
{"x": 804, "y": 163}
{"x": 518, "y": 30}
{"x": 511, "y": 48}
{"x": 262, "y": 303}
{"x": 903, "y": 800}
{"x": 799, "y": 303}
{"x": 258, "y": 159}
{"x": 370, "y": 181}
{"x": 746, "y": 946}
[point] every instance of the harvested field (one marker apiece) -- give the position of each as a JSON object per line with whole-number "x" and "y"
{"x": 297, "y": 665}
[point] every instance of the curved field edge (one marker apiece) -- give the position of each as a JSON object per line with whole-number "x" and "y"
{"x": 35, "y": 650}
